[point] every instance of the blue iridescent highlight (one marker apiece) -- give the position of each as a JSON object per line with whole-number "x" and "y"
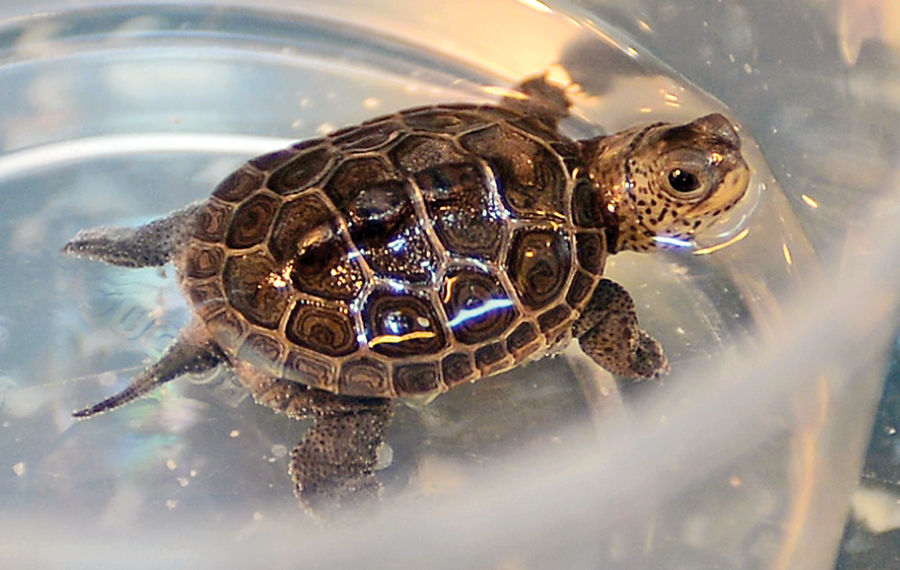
{"x": 673, "y": 241}
{"x": 486, "y": 307}
{"x": 397, "y": 245}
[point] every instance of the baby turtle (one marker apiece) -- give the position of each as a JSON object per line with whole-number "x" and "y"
{"x": 417, "y": 251}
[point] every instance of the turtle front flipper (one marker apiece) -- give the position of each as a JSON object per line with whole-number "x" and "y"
{"x": 150, "y": 245}
{"x": 192, "y": 352}
{"x": 608, "y": 332}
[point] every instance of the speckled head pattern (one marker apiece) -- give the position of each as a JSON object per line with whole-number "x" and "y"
{"x": 666, "y": 182}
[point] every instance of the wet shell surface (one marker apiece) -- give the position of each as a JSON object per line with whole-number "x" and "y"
{"x": 399, "y": 257}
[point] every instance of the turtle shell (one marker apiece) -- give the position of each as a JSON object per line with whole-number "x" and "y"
{"x": 402, "y": 256}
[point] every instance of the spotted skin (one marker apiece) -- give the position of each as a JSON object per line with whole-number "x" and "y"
{"x": 633, "y": 172}
{"x": 418, "y": 251}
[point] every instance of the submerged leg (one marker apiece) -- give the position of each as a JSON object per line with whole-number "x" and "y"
{"x": 539, "y": 98}
{"x": 191, "y": 352}
{"x": 150, "y": 245}
{"x": 333, "y": 465}
{"x": 608, "y": 332}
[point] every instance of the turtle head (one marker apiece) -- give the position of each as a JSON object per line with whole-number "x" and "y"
{"x": 663, "y": 183}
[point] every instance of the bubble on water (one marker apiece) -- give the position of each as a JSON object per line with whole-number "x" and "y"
{"x": 384, "y": 456}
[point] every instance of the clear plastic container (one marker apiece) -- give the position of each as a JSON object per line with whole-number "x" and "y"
{"x": 115, "y": 112}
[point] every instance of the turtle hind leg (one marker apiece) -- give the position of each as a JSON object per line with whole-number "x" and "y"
{"x": 189, "y": 353}
{"x": 608, "y": 332}
{"x": 333, "y": 465}
{"x": 150, "y": 245}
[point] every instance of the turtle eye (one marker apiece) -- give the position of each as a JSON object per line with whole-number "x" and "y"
{"x": 683, "y": 181}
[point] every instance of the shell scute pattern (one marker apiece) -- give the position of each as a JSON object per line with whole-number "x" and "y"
{"x": 590, "y": 251}
{"x": 300, "y": 224}
{"x": 306, "y": 168}
{"x": 406, "y": 255}
{"x": 365, "y": 377}
{"x": 326, "y": 269}
{"x": 308, "y": 368}
{"x": 204, "y": 261}
{"x": 419, "y": 378}
{"x": 584, "y": 204}
{"x": 531, "y": 178}
{"x": 457, "y": 368}
{"x": 477, "y": 306}
{"x": 539, "y": 263}
{"x": 582, "y": 285}
{"x": 521, "y": 342}
{"x": 401, "y": 324}
{"x": 264, "y": 352}
{"x": 207, "y": 298}
{"x": 238, "y": 185}
{"x": 324, "y": 327}
{"x": 252, "y": 221}
{"x": 252, "y": 290}
{"x": 449, "y": 119}
{"x": 212, "y": 222}
{"x": 227, "y": 327}
{"x": 272, "y": 160}
{"x": 492, "y": 358}
{"x": 385, "y": 227}
{"x": 368, "y": 136}
{"x": 356, "y": 174}
{"x": 551, "y": 320}
{"x": 465, "y": 218}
